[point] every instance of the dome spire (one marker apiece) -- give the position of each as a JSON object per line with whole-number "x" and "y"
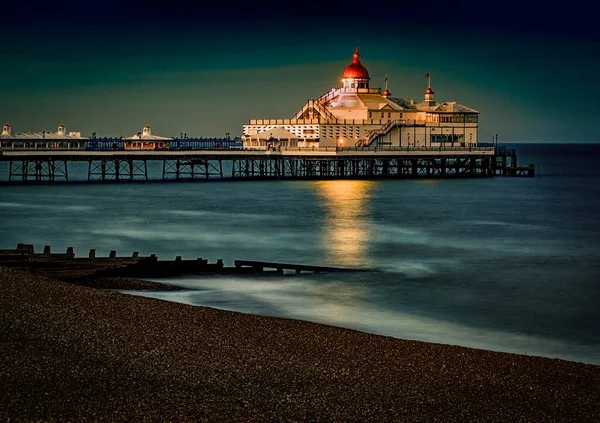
{"x": 356, "y": 56}
{"x": 356, "y": 74}
{"x": 428, "y": 91}
{"x": 386, "y": 92}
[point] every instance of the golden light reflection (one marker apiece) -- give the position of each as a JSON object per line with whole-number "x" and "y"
{"x": 428, "y": 181}
{"x": 346, "y": 234}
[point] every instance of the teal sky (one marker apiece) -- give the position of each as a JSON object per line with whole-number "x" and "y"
{"x": 206, "y": 76}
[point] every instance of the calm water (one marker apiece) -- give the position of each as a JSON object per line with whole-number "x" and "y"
{"x": 508, "y": 264}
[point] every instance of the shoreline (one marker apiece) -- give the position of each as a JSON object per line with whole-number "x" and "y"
{"x": 84, "y": 354}
{"x": 124, "y": 284}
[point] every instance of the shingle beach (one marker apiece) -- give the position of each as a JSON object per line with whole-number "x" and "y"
{"x": 77, "y": 353}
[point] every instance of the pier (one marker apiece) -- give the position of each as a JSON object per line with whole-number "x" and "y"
{"x": 287, "y": 163}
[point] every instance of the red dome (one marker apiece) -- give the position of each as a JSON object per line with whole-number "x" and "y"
{"x": 356, "y": 69}
{"x": 428, "y": 91}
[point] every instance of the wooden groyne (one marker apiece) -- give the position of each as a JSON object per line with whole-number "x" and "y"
{"x": 66, "y": 266}
{"x": 260, "y": 266}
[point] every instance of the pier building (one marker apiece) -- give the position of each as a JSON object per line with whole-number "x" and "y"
{"x": 145, "y": 140}
{"x": 142, "y": 140}
{"x": 61, "y": 139}
{"x": 356, "y": 115}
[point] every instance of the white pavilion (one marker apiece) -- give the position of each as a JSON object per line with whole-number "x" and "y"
{"x": 145, "y": 140}
{"x": 61, "y": 139}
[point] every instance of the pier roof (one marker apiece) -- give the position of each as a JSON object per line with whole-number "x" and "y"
{"x": 379, "y": 101}
{"x": 45, "y": 136}
{"x": 60, "y": 134}
{"x": 357, "y": 99}
{"x": 279, "y": 133}
{"x": 146, "y": 135}
{"x": 143, "y": 137}
{"x": 453, "y": 107}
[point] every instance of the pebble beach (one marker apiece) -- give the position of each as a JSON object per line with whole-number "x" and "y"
{"x": 80, "y": 353}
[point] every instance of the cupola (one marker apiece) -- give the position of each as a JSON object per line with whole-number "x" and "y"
{"x": 429, "y": 92}
{"x": 356, "y": 74}
{"x": 6, "y": 129}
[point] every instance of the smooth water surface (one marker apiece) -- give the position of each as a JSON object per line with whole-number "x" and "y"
{"x": 508, "y": 264}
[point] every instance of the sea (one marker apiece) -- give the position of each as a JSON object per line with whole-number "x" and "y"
{"x": 503, "y": 263}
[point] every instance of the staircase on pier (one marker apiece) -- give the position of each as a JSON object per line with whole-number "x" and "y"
{"x": 377, "y": 134}
{"x": 312, "y": 108}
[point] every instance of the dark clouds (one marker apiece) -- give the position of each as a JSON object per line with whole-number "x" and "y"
{"x": 205, "y": 68}
{"x": 574, "y": 19}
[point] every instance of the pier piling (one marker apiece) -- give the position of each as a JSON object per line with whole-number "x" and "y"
{"x": 284, "y": 164}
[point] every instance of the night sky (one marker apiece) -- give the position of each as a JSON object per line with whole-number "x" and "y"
{"x": 112, "y": 67}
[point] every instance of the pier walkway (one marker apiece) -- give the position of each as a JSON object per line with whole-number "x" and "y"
{"x": 31, "y": 166}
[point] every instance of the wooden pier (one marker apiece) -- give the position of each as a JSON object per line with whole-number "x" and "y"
{"x": 52, "y": 166}
{"x": 65, "y": 266}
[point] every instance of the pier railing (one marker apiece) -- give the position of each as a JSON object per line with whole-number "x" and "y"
{"x": 265, "y": 148}
{"x": 372, "y": 148}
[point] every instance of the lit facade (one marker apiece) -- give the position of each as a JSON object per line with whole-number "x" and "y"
{"x": 61, "y": 139}
{"x": 145, "y": 140}
{"x": 355, "y": 115}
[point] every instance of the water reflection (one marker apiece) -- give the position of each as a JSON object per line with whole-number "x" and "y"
{"x": 346, "y": 234}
